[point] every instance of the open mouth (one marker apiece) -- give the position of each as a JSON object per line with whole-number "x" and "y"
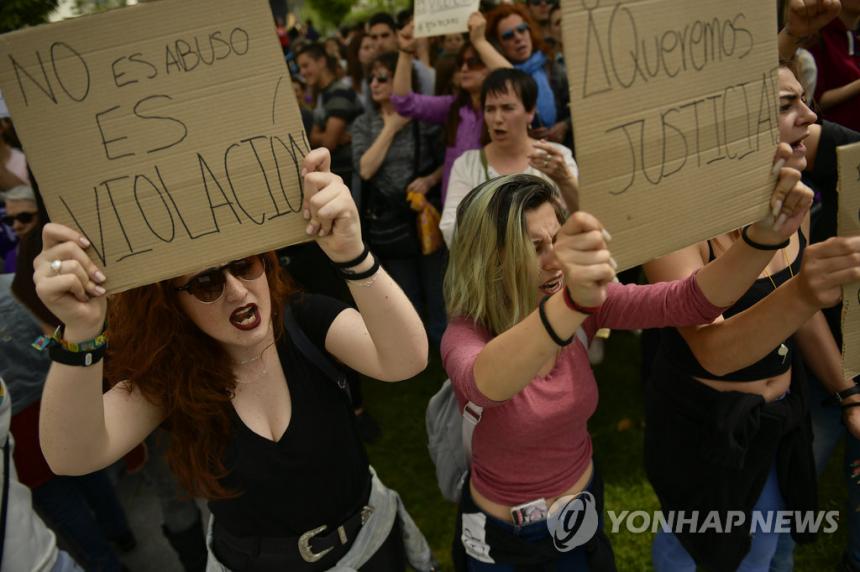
{"x": 553, "y": 285}
{"x": 798, "y": 147}
{"x": 246, "y": 317}
{"x": 499, "y": 132}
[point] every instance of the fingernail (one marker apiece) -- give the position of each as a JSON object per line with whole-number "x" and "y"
{"x": 777, "y": 167}
{"x": 100, "y": 276}
{"x": 304, "y": 172}
{"x": 613, "y": 263}
{"x": 84, "y": 242}
{"x": 776, "y": 208}
{"x": 606, "y": 236}
{"x": 307, "y": 214}
{"x": 100, "y": 290}
{"x": 309, "y": 229}
{"x": 322, "y": 232}
{"x": 780, "y": 221}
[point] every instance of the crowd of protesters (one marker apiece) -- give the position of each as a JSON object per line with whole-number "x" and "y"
{"x": 442, "y": 198}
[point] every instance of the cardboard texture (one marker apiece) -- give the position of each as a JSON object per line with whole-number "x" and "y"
{"x": 674, "y": 114}
{"x": 848, "y": 158}
{"x": 438, "y": 17}
{"x": 168, "y": 133}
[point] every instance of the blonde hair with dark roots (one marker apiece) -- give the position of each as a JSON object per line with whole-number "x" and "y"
{"x": 492, "y": 267}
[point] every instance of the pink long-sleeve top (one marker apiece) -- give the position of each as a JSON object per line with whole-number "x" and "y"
{"x": 536, "y": 444}
{"x": 435, "y": 109}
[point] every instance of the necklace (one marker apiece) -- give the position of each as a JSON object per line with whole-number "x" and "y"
{"x": 255, "y": 358}
{"x": 783, "y": 349}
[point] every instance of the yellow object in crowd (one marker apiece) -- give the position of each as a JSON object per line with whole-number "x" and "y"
{"x": 428, "y": 223}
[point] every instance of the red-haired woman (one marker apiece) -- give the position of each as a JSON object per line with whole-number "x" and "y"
{"x": 256, "y": 425}
{"x": 519, "y": 39}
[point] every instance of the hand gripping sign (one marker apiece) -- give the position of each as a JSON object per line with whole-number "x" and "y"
{"x": 168, "y": 150}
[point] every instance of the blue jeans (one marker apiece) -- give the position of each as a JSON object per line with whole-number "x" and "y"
{"x": 85, "y": 512}
{"x": 669, "y": 555}
{"x": 827, "y": 430}
{"x": 421, "y": 280}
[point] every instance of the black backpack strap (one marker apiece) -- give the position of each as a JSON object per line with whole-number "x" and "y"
{"x": 313, "y": 353}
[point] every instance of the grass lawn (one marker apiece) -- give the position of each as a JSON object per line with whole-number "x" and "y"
{"x": 403, "y": 463}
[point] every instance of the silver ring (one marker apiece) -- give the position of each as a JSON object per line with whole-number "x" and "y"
{"x": 56, "y": 266}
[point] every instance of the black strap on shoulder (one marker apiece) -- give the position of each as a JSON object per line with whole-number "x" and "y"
{"x": 5, "y": 511}
{"x": 485, "y": 165}
{"x": 313, "y": 353}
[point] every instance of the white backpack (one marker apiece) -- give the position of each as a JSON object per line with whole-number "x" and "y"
{"x": 449, "y": 436}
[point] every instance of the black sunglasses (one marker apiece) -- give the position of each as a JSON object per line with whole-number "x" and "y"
{"x": 23, "y": 218}
{"x": 381, "y": 78}
{"x": 472, "y": 63}
{"x": 521, "y": 28}
{"x": 208, "y": 286}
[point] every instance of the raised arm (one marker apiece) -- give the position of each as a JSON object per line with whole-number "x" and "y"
{"x": 478, "y": 38}
{"x": 80, "y": 429}
{"x": 729, "y": 345}
{"x": 804, "y": 18}
{"x": 833, "y": 97}
{"x": 511, "y": 360}
{"x": 385, "y": 338}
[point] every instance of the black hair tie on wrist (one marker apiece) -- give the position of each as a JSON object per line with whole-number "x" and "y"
{"x": 355, "y": 261}
{"x": 349, "y": 275}
{"x": 760, "y": 246}
{"x": 558, "y": 340}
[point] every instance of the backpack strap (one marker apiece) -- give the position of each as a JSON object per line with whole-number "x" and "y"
{"x": 313, "y": 353}
{"x": 471, "y": 417}
{"x": 485, "y": 165}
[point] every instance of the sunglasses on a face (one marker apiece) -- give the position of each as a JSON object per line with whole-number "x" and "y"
{"x": 471, "y": 63}
{"x": 381, "y": 78}
{"x": 209, "y": 286}
{"x": 507, "y": 35}
{"x": 23, "y": 218}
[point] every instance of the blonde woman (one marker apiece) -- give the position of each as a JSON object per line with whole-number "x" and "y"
{"x": 522, "y": 280}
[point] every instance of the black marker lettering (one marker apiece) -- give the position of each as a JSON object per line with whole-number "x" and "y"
{"x": 106, "y": 141}
{"x": 146, "y": 218}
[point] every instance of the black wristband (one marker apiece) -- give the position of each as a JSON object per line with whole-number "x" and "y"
{"x": 355, "y": 261}
{"x": 841, "y": 396}
{"x": 348, "y": 275}
{"x": 548, "y": 327}
{"x": 760, "y": 246}
{"x": 87, "y": 358}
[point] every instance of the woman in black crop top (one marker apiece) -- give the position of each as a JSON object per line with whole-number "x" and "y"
{"x": 258, "y": 426}
{"x": 727, "y": 422}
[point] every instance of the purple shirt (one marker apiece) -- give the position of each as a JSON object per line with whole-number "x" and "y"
{"x": 434, "y": 109}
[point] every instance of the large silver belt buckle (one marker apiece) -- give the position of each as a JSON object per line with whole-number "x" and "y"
{"x": 305, "y": 551}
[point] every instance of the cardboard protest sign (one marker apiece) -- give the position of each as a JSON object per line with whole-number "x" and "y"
{"x": 848, "y": 158}
{"x": 674, "y": 114}
{"x": 438, "y": 17}
{"x": 168, "y": 133}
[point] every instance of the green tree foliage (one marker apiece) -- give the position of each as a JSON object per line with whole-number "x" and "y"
{"x": 331, "y": 11}
{"x": 16, "y": 14}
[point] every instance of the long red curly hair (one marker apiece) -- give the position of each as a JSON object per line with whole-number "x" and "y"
{"x": 177, "y": 367}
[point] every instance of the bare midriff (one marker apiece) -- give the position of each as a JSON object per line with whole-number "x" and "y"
{"x": 771, "y": 388}
{"x": 503, "y": 512}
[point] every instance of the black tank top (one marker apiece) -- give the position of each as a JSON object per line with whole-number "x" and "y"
{"x": 675, "y": 348}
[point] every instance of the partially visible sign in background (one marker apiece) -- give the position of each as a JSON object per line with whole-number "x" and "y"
{"x": 170, "y": 151}
{"x": 438, "y": 17}
{"x": 848, "y": 158}
{"x": 674, "y": 109}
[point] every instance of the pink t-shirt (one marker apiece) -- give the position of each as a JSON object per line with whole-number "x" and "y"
{"x": 536, "y": 444}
